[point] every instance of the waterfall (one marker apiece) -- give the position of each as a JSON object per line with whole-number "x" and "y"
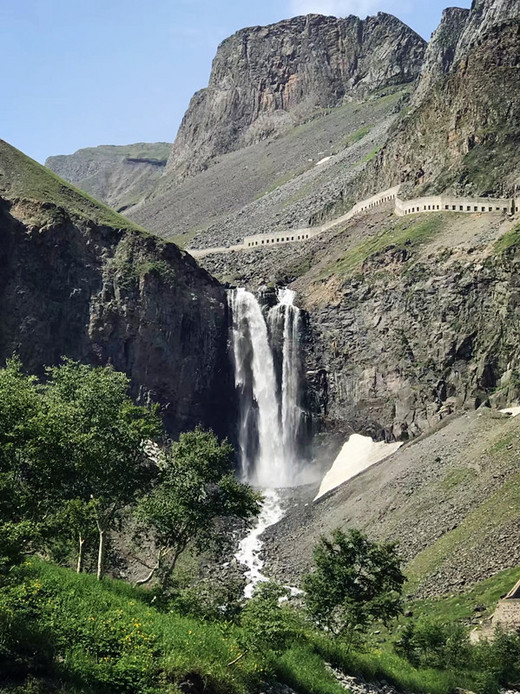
{"x": 268, "y": 382}
{"x": 291, "y": 380}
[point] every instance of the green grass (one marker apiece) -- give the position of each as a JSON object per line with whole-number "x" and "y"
{"x": 511, "y": 239}
{"x": 109, "y": 636}
{"x": 22, "y": 178}
{"x": 371, "y": 155}
{"x": 461, "y": 607}
{"x": 352, "y": 138}
{"x": 502, "y": 507}
{"x": 456, "y": 477}
{"x": 405, "y": 232}
{"x": 103, "y": 633}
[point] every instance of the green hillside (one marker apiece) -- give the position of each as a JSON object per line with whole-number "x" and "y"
{"x": 22, "y": 178}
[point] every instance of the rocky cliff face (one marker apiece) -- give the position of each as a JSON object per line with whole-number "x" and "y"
{"x": 78, "y": 280}
{"x": 403, "y": 345}
{"x": 409, "y": 319}
{"x": 440, "y": 54}
{"x": 120, "y": 176}
{"x": 462, "y": 130}
{"x": 267, "y": 79}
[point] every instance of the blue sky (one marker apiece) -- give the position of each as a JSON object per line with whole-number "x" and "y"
{"x": 79, "y": 73}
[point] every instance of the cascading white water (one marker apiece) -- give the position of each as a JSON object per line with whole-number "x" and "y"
{"x": 270, "y": 412}
{"x": 270, "y": 415}
{"x": 291, "y": 410}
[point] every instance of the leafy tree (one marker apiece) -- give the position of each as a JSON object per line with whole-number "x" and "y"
{"x": 217, "y": 600}
{"x": 71, "y": 528}
{"x": 355, "y": 582}
{"x": 196, "y": 486}
{"x": 19, "y": 403}
{"x": 497, "y": 661}
{"x": 429, "y": 643}
{"x": 91, "y": 445}
{"x": 268, "y": 622}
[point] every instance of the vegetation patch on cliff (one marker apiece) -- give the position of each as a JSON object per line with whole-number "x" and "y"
{"x": 22, "y": 178}
{"x": 511, "y": 239}
{"x": 405, "y": 233}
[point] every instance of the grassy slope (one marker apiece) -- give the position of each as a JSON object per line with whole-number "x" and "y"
{"x": 99, "y": 634}
{"x": 99, "y": 637}
{"x": 510, "y": 239}
{"x": 22, "y": 178}
{"x": 403, "y": 232}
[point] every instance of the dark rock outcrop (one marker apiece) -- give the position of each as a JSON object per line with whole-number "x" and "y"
{"x": 265, "y": 80}
{"x": 73, "y": 285}
{"x": 403, "y": 344}
{"x": 462, "y": 131}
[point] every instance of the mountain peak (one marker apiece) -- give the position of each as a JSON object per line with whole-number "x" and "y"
{"x": 265, "y": 80}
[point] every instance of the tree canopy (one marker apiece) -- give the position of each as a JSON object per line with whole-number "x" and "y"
{"x": 75, "y": 451}
{"x": 354, "y": 582}
{"x": 195, "y": 487}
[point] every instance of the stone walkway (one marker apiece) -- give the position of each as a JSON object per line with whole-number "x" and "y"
{"x": 425, "y": 205}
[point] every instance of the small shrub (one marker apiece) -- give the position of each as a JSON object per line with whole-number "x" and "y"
{"x": 427, "y": 643}
{"x": 268, "y": 623}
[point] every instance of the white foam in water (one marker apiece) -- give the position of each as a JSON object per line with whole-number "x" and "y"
{"x": 250, "y": 547}
{"x": 357, "y": 454}
{"x": 270, "y": 412}
{"x": 278, "y": 414}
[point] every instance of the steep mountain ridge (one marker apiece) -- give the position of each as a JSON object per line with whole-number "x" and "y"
{"x": 461, "y": 132}
{"x": 76, "y": 279}
{"x": 283, "y": 181}
{"x": 119, "y": 175}
{"x": 265, "y": 80}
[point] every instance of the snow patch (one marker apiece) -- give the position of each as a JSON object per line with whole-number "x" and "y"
{"x": 513, "y": 411}
{"x": 357, "y": 454}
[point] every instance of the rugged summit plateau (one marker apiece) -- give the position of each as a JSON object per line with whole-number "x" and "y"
{"x": 119, "y": 175}
{"x": 266, "y": 80}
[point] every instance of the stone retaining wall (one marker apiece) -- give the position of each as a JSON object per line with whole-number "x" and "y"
{"x": 434, "y": 203}
{"x": 286, "y": 236}
{"x": 507, "y": 615}
{"x": 445, "y": 203}
{"x": 291, "y": 235}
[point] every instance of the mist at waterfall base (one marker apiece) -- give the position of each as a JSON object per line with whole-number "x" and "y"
{"x": 272, "y": 420}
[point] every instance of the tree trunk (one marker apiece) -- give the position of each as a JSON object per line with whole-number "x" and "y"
{"x": 101, "y": 553}
{"x": 147, "y": 579}
{"x": 168, "y": 572}
{"x": 79, "y": 566}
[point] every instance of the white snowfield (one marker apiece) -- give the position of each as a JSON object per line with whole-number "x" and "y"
{"x": 513, "y": 410}
{"x": 357, "y": 454}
